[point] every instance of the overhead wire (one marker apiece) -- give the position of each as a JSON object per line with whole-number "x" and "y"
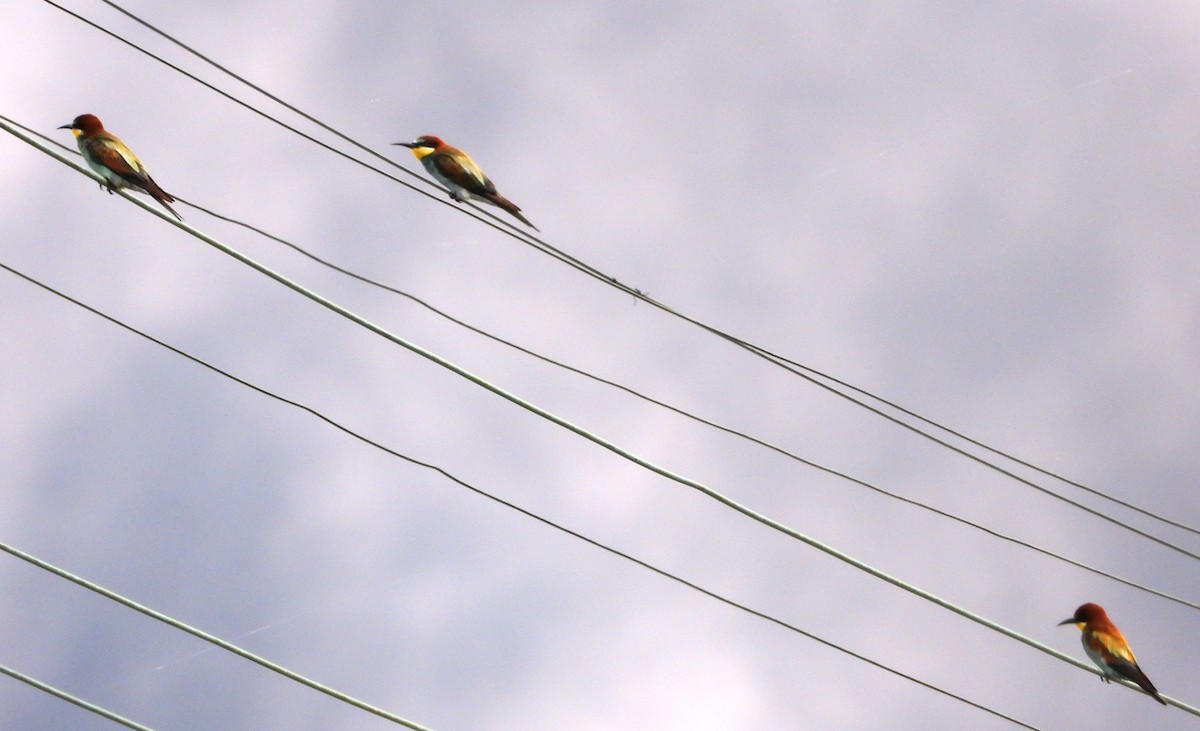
{"x": 689, "y": 415}
{"x": 755, "y": 440}
{"x": 251, "y": 108}
{"x": 696, "y": 485}
{"x": 73, "y": 699}
{"x": 480, "y": 214}
{"x": 751, "y": 438}
{"x": 1018, "y": 478}
{"x": 714, "y": 425}
{"x": 864, "y": 391}
{"x": 1007, "y": 455}
{"x": 199, "y": 633}
{"x": 984, "y": 446}
{"x": 476, "y": 490}
{"x": 641, "y": 295}
{"x": 512, "y": 230}
{"x": 721, "y": 427}
{"x": 816, "y": 377}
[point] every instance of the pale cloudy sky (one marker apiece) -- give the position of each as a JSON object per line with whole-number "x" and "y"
{"x": 985, "y": 212}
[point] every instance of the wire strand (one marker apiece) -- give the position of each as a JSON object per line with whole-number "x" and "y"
{"x": 209, "y": 638}
{"x": 605, "y": 443}
{"x": 64, "y": 695}
{"x": 701, "y": 420}
{"x": 500, "y": 501}
{"x": 827, "y": 470}
{"x": 806, "y": 372}
{"x": 746, "y": 511}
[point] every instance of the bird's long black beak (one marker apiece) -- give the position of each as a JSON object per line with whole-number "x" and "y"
{"x": 68, "y": 126}
{"x": 1068, "y": 620}
{"x": 409, "y": 145}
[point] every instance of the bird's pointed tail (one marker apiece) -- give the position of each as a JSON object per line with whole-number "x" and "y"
{"x": 511, "y": 207}
{"x": 163, "y": 197}
{"x": 1134, "y": 673}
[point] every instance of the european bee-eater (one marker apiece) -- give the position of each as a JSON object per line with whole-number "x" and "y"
{"x": 116, "y": 163}
{"x": 1106, "y": 646}
{"x": 454, "y": 169}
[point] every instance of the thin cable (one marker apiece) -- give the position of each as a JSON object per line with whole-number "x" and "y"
{"x": 780, "y": 361}
{"x": 701, "y": 420}
{"x": 64, "y": 695}
{"x": 598, "y": 440}
{"x": 512, "y": 506}
{"x": 501, "y": 501}
{"x": 761, "y": 352}
{"x": 295, "y": 676}
{"x": 1006, "y": 455}
{"x": 286, "y": 126}
{"x": 524, "y": 235}
{"x": 827, "y": 470}
{"x": 796, "y": 368}
{"x": 211, "y": 639}
{"x": 476, "y": 212}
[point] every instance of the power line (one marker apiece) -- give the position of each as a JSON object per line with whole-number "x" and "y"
{"x": 474, "y": 211}
{"x": 510, "y": 229}
{"x": 64, "y": 695}
{"x": 209, "y": 638}
{"x": 295, "y": 676}
{"x": 1006, "y": 455}
{"x": 779, "y": 450}
{"x": 699, "y": 419}
{"x": 478, "y": 491}
{"x": 808, "y": 373}
{"x": 602, "y": 442}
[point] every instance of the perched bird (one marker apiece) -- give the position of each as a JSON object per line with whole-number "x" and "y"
{"x": 1106, "y": 646}
{"x": 452, "y": 168}
{"x": 115, "y": 162}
